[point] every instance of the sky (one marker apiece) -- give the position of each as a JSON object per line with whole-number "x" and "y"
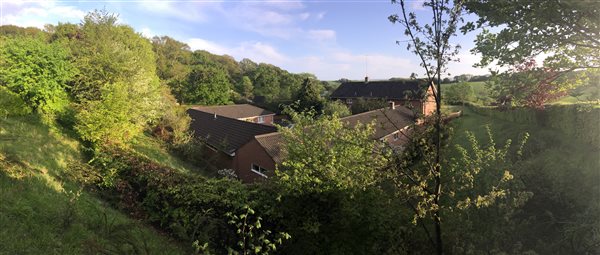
{"x": 331, "y": 39}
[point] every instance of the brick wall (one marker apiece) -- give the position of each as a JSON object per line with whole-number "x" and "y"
{"x": 252, "y": 153}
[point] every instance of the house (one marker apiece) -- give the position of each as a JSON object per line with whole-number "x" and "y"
{"x": 410, "y": 93}
{"x": 224, "y": 135}
{"x": 245, "y": 112}
{"x": 257, "y": 159}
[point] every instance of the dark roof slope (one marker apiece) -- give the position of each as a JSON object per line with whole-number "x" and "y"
{"x": 223, "y": 133}
{"x": 387, "y": 121}
{"x": 235, "y": 111}
{"x": 379, "y": 89}
{"x": 272, "y": 145}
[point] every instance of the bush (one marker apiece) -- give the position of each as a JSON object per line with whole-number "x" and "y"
{"x": 11, "y": 104}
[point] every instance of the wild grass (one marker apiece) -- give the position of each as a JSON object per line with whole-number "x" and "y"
{"x": 158, "y": 151}
{"x": 43, "y": 212}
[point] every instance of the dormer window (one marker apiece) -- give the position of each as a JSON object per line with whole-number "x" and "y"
{"x": 260, "y": 119}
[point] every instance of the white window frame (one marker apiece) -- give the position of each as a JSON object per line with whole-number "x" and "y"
{"x": 252, "y": 166}
{"x": 260, "y": 119}
{"x": 348, "y": 100}
{"x": 396, "y": 136}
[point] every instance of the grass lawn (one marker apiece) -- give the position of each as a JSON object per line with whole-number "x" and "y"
{"x": 41, "y": 212}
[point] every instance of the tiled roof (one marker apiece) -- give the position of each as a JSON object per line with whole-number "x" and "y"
{"x": 402, "y": 89}
{"x": 235, "y": 111}
{"x": 272, "y": 145}
{"x": 223, "y": 133}
{"x": 386, "y": 120}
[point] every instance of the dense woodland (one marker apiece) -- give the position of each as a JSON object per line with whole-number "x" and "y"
{"x": 96, "y": 157}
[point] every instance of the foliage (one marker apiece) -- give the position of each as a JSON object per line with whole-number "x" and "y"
{"x": 569, "y": 31}
{"x": 459, "y": 93}
{"x": 309, "y": 96}
{"x": 528, "y": 85}
{"x": 566, "y": 32}
{"x": 37, "y": 72}
{"x": 336, "y": 108}
{"x": 208, "y": 86}
{"x": 11, "y": 104}
{"x": 327, "y": 154}
{"x": 361, "y": 105}
{"x": 474, "y": 178}
{"x": 245, "y": 87}
{"x": 119, "y": 93}
{"x": 431, "y": 43}
{"x": 253, "y": 239}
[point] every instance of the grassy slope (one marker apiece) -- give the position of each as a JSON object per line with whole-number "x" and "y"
{"x": 158, "y": 151}
{"x": 563, "y": 174}
{"x": 40, "y": 211}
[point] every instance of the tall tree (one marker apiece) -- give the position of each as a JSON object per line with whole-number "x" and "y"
{"x": 310, "y": 95}
{"x": 430, "y": 42}
{"x": 565, "y": 33}
{"x": 117, "y": 76}
{"x": 207, "y": 85}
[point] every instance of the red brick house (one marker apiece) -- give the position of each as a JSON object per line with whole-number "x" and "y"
{"x": 245, "y": 112}
{"x": 257, "y": 159}
{"x": 223, "y": 136}
{"x": 402, "y": 92}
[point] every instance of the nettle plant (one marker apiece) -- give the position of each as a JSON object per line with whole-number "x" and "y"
{"x": 253, "y": 238}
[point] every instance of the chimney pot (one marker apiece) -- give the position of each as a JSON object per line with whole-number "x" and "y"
{"x": 392, "y": 105}
{"x": 366, "y": 79}
{"x": 215, "y": 115}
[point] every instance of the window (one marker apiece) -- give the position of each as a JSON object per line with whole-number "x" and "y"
{"x": 395, "y": 136}
{"x": 259, "y": 170}
{"x": 260, "y": 119}
{"x": 349, "y": 101}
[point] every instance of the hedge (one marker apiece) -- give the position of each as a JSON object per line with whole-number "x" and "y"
{"x": 579, "y": 121}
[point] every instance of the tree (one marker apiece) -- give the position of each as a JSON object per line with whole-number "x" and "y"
{"x": 430, "y": 42}
{"x": 172, "y": 63}
{"x": 266, "y": 82}
{"x": 208, "y": 85}
{"x": 118, "y": 92}
{"x": 530, "y": 86}
{"x": 567, "y": 32}
{"x": 336, "y": 108}
{"x": 310, "y": 96}
{"x": 324, "y": 154}
{"x": 245, "y": 87}
{"x": 36, "y": 71}
{"x": 459, "y": 93}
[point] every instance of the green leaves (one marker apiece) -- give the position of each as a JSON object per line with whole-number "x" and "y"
{"x": 37, "y": 72}
{"x": 326, "y": 154}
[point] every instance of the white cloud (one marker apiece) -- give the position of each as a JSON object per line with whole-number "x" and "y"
{"x": 146, "y": 32}
{"x": 194, "y": 11}
{"x": 417, "y": 5}
{"x": 257, "y": 51}
{"x": 321, "y": 35}
{"x": 37, "y": 14}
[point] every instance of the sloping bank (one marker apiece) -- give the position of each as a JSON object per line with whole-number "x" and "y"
{"x": 579, "y": 121}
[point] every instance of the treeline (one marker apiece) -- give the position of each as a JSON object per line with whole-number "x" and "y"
{"x": 107, "y": 82}
{"x": 199, "y": 77}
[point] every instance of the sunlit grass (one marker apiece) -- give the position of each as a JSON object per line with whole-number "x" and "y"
{"x": 42, "y": 212}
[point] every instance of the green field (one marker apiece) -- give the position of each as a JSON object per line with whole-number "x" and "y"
{"x": 589, "y": 93}
{"x": 43, "y": 211}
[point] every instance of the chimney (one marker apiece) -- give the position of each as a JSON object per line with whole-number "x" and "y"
{"x": 392, "y": 105}
{"x": 366, "y": 79}
{"x": 215, "y": 115}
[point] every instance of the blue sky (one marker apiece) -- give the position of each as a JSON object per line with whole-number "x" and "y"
{"x": 332, "y": 39}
